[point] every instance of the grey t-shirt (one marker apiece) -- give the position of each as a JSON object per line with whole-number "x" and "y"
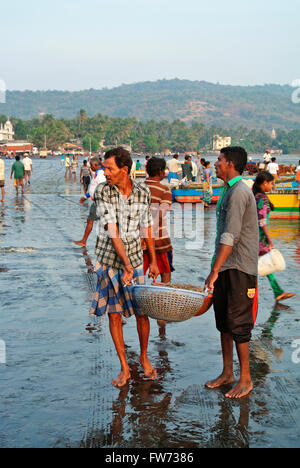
{"x": 238, "y": 227}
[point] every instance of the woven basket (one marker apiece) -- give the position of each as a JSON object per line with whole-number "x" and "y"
{"x": 169, "y": 304}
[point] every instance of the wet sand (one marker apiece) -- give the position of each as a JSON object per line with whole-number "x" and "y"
{"x": 55, "y": 389}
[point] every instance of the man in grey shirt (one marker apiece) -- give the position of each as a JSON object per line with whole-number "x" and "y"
{"x": 233, "y": 277}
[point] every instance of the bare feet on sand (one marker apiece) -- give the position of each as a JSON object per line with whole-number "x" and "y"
{"x": 149, "y": 370}
{"x": 223, "y": 379}
{"x": 240, "y": 390}
{"x": 122, "y": 379}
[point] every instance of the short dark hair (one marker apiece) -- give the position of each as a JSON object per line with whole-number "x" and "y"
{"x": 273, "y": 159}
{"x": 237, "y": 155}
{"x": 155, "y": 165}
{"x": 18, "y": 158}
{"x": 206, "y": 163}
{"x": 122, "y": 157}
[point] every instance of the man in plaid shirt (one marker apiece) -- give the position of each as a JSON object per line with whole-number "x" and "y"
{"x": 123, "y": 207}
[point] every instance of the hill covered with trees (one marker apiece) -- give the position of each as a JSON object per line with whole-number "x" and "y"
{"x": 253, "y": 107}
{"x": 148, "y": 137}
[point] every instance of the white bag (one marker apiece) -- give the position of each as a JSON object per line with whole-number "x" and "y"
{"x": 270, "y": 263}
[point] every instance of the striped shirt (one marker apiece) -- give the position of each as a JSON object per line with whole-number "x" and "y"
{"x": 130, "y": 215}
{"x": 161, "y": 201}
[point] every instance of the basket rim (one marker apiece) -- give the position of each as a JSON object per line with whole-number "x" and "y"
{"x": 161, "y": 288}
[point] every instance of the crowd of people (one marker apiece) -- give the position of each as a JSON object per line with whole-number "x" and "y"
{"x": 21, "y": 173}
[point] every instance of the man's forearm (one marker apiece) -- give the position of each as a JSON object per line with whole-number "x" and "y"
{"x": 223, "y": 254}
{"x": 150, "y": 243}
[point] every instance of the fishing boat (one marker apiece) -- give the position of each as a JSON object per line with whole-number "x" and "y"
{"x": 193, "y": 193}
{"x": 286, "y": 205}
{"x": 284, "y": 197}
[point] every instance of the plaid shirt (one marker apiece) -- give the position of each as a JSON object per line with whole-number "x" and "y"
{"x": 129, "y": 215}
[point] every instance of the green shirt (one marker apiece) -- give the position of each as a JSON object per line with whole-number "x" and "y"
{"x": 18, "y": 169}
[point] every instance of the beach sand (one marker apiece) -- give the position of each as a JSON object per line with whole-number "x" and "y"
{"x": 56, "y": 384}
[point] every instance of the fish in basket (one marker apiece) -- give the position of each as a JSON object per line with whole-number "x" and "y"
{"x": 170, "y": 303}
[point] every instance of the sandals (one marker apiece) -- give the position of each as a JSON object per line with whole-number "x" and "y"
{"x": 285, "y": 296}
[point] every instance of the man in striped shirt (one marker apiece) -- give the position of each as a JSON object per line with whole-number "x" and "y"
{"x": 161, "y": 201}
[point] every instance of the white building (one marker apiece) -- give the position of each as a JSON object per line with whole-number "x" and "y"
{"x": 7, "y": 131}
{"x": 220, "y": 142}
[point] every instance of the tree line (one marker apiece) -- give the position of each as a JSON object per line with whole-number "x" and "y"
{"x": 145, "y": 137}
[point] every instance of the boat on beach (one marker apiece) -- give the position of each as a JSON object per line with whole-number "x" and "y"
{"x": 193, "y": 193}
{"x": 286, "y": 204}
{"x": 284, "y": 197}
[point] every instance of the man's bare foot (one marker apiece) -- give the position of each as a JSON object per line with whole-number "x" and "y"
{"x": 240, "y": 390}
{"x": 223, "y": 379}
{"x": 80, "y": 243}
{"x": 149, "y": 370}
{"x": 122, "y": 379}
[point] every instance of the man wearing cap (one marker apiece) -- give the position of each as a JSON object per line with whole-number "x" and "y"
{"x": 27, "y": 168}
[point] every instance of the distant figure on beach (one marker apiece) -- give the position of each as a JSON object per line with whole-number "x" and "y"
{"x": 124, "y": 210}
{"x": 133, "y": 170}
{"x": 2, "y": 179}
{"x": 18, "y": 171}
{"x": 194, "y": 171}
{"x": 68, "y": 167}
{"x": 273, "y": 168}
{"x": 187, "y": 169}
{"x": 263, "y": 184}
{"x": 267, "y": 157}
{"x": 74, "y": 165}
{"x": 138, "y": 165}
{"x": 199, "y": 167}
{"x": 174, "y": 166}
{"x": 85, "y": 176}
{"x": 97, "y": 179}
{"x": 161, "y": 202}
{"x": 207, "y": 184}
{"x": 233, "y": 277}
{"x": 28, "y": 168}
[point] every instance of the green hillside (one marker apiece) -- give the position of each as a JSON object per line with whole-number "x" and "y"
{"x": 261, "y": 107}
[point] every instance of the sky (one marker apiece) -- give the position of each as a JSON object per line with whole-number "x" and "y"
{"x": 81, "y": 44}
